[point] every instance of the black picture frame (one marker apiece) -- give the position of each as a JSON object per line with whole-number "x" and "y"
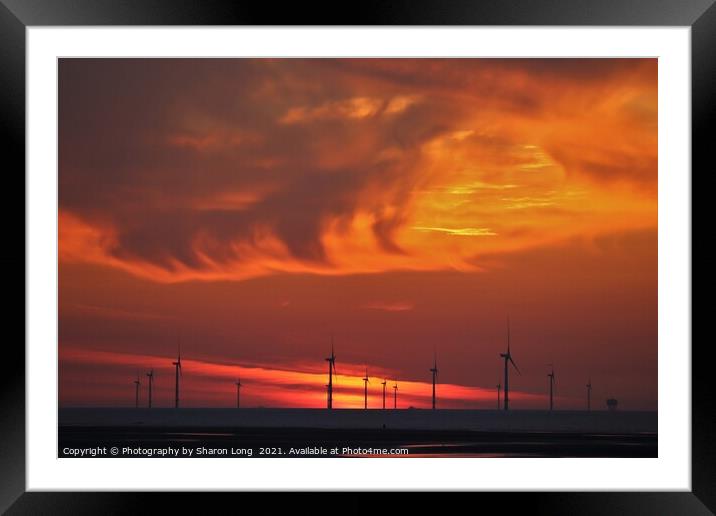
{"x": 17, "y": 15}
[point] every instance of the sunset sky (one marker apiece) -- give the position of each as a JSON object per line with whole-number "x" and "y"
{"x": 252, "y": 208}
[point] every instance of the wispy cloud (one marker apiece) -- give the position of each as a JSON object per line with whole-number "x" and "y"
{"x": 390, "y": 306}
{"x": 352, "y": 108}
{"x": 475, "y": 186}
{"x": 107, "y": 312}
{"x": 459, "y": 231}
{"x": 518, "y": 203}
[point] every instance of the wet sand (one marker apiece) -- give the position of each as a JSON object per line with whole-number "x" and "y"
{"x": 317, "y": 442}
{"x": 320, "y": 433}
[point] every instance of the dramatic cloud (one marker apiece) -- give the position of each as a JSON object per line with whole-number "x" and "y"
{"x": 176, "y": 170}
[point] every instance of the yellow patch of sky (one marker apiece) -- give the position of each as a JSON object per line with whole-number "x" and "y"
{"x": 459, "y": 231}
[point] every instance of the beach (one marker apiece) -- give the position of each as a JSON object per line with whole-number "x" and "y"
{"x": 322, "y": 433}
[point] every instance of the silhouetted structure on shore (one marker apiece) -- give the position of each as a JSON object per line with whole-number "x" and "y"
{"x": 384, "y": 383}
{"x": 434, "y": 370}
{"x": 508, "y": 358}
{"x": 238, "y": 392}
{"x": 136, "y": 392}
{"x": 177, "y": 372}
{"x": 331, "y": 371}
{"x": 150, "y": 375}
{"x": 366, "y": 381}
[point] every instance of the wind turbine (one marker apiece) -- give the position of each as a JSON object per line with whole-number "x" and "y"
{"x": 238, "y": 393}
{"x": 589, "y": 394}
{"x": 395, "y": 395}
{"x": 366, "y": 381}
{"x": 508, "y": 358}
{"x": 385, "y": 381}
{"x": 331, "y": 371}
{"x": 177, "y": 372}
{"x": 434, "y": 370}
{"x": 551, "y": 387}
{"x": 499, "y": 386}
{"x": 137, "y": 383}
{"x": 150, "y": 375}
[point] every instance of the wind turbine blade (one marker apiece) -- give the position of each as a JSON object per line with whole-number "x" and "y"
{"x": 515, "y": 366}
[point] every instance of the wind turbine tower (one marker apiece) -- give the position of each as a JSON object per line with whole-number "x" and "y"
{"x": 331, "y": 371}
{"x": 434, "y": 370}
{"x": 238, "y": 393}
{"x": 384, "y": 383}
{"x": 136, "y": 392}
{"x": 508, "y": 358}
{"x": 551, "y": 387}
{"x": 177, "y": 372}
{"x": 589, "y": 395}
{"x": 366, "y": 381}
{"x": 395, "y": 395}
{"x": 150, "y": 375}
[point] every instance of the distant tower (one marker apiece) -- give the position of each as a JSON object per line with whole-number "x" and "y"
{"x": 551, "y": 387}
{"x": 331, "y": 372}
{"x": 366, "y": 381}
{"x": 177, "y": 372}
{"x": 508, "y": 358}
{"x": 238, "y": 392}
{"x": 383, "y": 383}
{"x": 150, "y": 375}
{"x": 395, "y": 395}
{"x": 589, "y": 395}
{"x": 434, "y": 370}
{"x": 136, "y": 392}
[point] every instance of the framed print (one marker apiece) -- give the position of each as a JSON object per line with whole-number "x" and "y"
{"x": 424, "y": 249}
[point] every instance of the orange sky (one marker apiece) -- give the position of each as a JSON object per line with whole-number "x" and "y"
{"x": 254, "y": 207}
